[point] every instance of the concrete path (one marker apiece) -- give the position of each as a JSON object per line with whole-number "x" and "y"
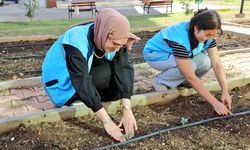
{"x": 16, "y": 12}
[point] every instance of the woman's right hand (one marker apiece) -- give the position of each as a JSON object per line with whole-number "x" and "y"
{"x": 114, "y": 131}
{"x": 111, "y": 128}
{"x": 220, "y": 108}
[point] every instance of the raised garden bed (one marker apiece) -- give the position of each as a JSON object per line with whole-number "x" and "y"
{"x": 87, "y": 132}
{"x": 23, "y": 59}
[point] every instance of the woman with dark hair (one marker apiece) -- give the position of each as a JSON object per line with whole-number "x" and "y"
{"x": 90, "y": 63}
{"x": 178, "y": 52}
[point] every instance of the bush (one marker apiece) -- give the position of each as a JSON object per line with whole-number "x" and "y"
{"x": 30, "y": 6}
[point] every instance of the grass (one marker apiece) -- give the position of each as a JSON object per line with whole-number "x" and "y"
{"x": 57, "y": 27}
{"x": 157, "y": 20}
{"x": 228, "y": 2}
{"x": 35, "y": 27}
{"x": 222, "y": 2}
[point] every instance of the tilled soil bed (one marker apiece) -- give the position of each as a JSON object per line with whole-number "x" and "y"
{"x": 23, "y": 59}
{"x": 87, "y": 132}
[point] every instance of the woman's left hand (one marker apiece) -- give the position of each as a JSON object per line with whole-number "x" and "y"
{"x": 129, "y": 123}
{"x": 226, "y": 100}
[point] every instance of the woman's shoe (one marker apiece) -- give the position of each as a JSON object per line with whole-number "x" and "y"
{"x": 159, "y": 87}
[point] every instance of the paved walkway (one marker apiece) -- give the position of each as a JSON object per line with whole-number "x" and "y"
{"x": 16, "y": 12}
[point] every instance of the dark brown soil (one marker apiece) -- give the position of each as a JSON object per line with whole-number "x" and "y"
{"x": 87, "y": 132}
{"x": 23, "y": 59}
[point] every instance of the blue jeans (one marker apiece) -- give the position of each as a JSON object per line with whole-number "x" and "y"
{"x": 172, "y": 76}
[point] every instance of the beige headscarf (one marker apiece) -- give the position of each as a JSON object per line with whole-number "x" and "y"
{"x": 110, "y": 23}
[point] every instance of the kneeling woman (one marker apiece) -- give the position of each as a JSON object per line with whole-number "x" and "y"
{"x": 89, "y": 62}
{"x": 178, "y": 52}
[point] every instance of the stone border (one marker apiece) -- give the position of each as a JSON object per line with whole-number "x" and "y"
{"x": 26, "y": 82}
{"x": 27, "y": 38}
{"x": 235, "y": 24}
{"x": 241, "y": 50}
{"x": 52, "y": 115}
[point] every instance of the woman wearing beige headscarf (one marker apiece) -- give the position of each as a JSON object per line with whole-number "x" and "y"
{"x": 89, "y": 62}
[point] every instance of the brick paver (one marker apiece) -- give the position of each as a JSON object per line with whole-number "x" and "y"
{"x": 42, "y": 98}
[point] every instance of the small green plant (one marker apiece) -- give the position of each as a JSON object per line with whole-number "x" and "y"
{"x": 30, "y": 6}
{"x": 128, "y": 136}
{"x": 184, "y": 120}
{"x": 186, "y": 4}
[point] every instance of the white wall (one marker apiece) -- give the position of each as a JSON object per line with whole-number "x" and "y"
{"x": 42, "y": 3}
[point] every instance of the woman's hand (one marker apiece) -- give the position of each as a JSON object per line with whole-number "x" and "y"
{"x": 129, "y": 123}
{"x": 114, "y": 131}
{"x": 226, "y": 100}
{"x": 111, "y": 128}
{"x": 220, "y": 108}
{"x": 220, "y": 75}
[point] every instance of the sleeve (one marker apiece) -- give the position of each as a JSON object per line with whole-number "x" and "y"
{"x": 124, "y": 73}
{"x": 80, "y": 78}
{"x": 212, "y": 44}
{"x": 179, "y": 51}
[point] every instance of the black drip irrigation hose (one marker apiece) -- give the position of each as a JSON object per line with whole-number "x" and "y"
{"x": 42, "y": 57}
{"x": 23, "y": 57}
{"x": 173, "y": 128}
{"x": 26, "y": 45}
{"x": 18, "y": 72}
{"x": 49, "y": 43}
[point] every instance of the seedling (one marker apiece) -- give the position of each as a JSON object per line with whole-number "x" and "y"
{"x": 184, "y": 120}
{"x": 128, "y": 136}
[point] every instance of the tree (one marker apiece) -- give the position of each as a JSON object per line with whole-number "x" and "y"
{"x": 198, "y": 2}
{"x": 187, "y": 6}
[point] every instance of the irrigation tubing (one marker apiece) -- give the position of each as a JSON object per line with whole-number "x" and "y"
{"x": 50, "y": 43}
{"x": 42, "y": 56}
{"x": 24, "y": 72}
{"x": 24, "y": 57}
{"x": 131, "y": 58}
{"x": 172, "y": 128}
{"x": 26, "y": 45}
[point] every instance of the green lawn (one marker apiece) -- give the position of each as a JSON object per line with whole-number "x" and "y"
{"x": 57, "y": 27}
{"x": 228, "y": 2}
{"x": 221, "y": 2}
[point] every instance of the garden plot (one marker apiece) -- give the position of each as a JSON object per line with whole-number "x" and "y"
{"x": 23, "y": 59}
{"x": 87, "y": 132}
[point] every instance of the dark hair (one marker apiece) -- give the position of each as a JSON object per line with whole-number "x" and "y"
{"x": 204, "y": 20}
